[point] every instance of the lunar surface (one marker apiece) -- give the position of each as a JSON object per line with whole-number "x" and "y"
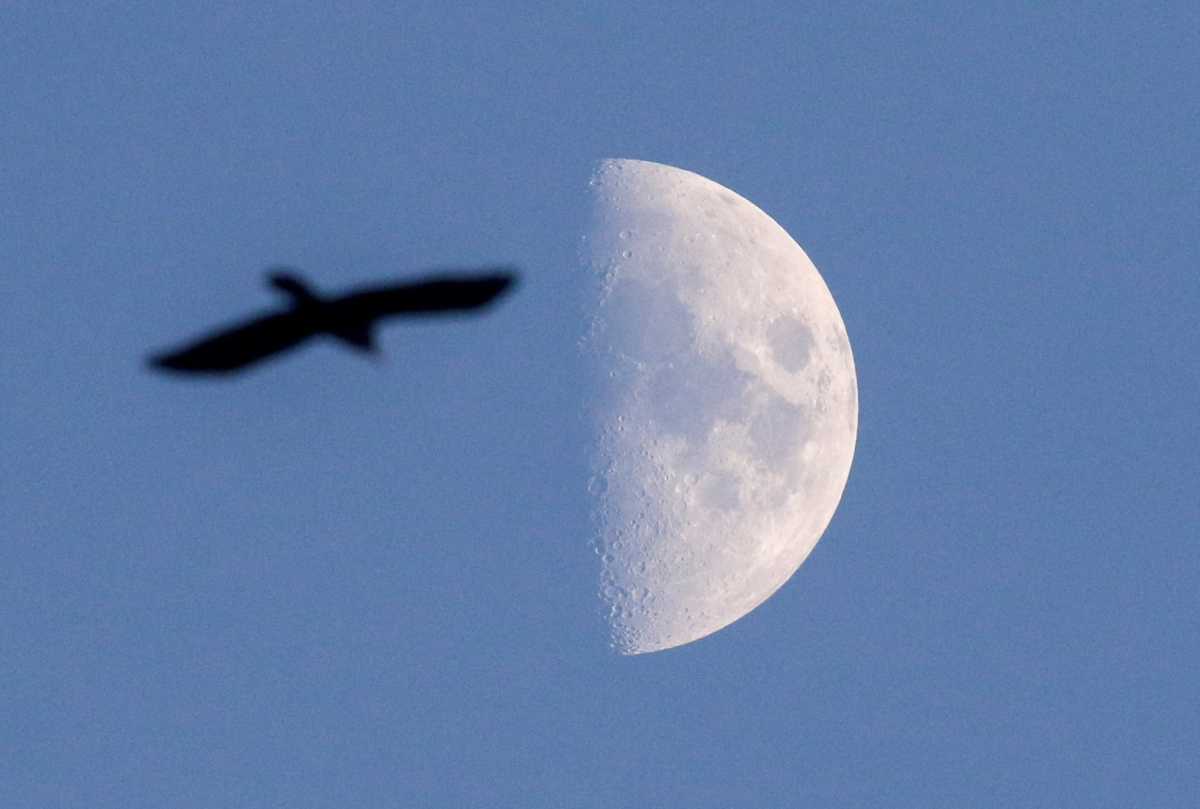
{"x": 726, "y": 410}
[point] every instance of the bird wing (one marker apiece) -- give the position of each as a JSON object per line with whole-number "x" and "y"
{"x": 235, "y": 347}
{"x": 429, "y": 296}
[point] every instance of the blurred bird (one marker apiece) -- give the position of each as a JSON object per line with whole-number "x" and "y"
{"x": 351, "y": 318}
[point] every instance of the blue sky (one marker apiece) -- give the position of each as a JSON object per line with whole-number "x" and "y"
{"x": 337, "y": 583}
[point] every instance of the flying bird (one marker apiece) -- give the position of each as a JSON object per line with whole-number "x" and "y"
{"x": 350, "y": 318}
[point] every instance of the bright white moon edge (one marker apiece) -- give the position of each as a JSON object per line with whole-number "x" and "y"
{"x": 727, "y": 409}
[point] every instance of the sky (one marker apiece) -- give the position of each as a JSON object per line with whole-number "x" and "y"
{"x": 338, "y": 582}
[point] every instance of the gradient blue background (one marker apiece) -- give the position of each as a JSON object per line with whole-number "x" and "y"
{"x": 333, "y": 583}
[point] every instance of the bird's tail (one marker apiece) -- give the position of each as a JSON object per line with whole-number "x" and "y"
{"x": 357, "y": 335}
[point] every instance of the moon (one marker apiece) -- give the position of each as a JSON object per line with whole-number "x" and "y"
{"x": 726, "y": 408}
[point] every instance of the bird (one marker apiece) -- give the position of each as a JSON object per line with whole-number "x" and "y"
{"x": 350, "y": 318}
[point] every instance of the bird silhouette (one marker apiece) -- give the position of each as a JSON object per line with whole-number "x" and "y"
{"x": 350, "y": 318}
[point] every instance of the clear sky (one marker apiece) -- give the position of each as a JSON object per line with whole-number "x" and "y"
{"x": 341, "y": 583}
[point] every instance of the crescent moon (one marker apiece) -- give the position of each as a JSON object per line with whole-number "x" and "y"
{"x": 727, "y": 411}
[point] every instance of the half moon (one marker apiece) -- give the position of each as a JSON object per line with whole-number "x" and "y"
{"x": 727, "y": 408}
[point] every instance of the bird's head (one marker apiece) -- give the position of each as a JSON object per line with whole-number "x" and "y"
{"x": 288, "y": 281}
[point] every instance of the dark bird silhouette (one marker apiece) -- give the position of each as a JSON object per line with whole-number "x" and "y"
{"x": 350, "y": 318}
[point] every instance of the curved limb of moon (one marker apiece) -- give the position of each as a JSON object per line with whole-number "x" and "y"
{"x": 729, "y": 407}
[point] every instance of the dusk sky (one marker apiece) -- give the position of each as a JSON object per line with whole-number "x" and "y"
{"x": 336, "y": 581}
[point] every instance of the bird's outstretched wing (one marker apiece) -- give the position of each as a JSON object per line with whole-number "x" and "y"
{"x": 433, "y": 295}
{"x": 350, "y": 318}
{"x": 235, "y": 347}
